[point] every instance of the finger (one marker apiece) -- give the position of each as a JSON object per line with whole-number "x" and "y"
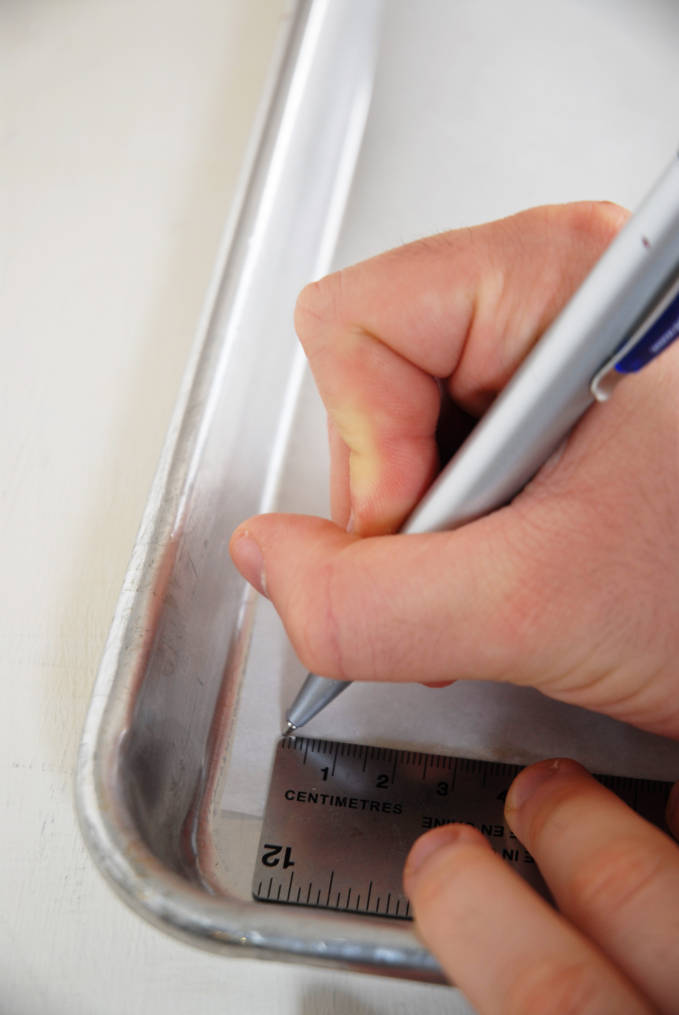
{"x": 382, "y": 608}
{"x": 428, "y": 608}
{"x": 612, "y": 873}
{"x": 465, "y": 305}
{"x": 385, "y": 410}
{"x": 503, "y": 945}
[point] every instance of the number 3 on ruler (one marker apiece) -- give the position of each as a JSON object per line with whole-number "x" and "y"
{"x": 271, "y": 856}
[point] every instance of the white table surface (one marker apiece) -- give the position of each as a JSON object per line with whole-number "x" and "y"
{"x": 123, "y": 130}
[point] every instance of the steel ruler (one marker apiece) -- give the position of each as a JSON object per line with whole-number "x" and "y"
{"x": 340, "y": 819}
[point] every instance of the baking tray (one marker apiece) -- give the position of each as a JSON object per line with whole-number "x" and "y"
{"x": 476, "y": 111}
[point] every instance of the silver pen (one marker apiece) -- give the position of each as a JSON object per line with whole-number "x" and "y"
{"x": 623, "y": 315}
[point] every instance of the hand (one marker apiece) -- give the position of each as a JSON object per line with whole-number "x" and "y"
{"x": 614, "y": 945}
{"x": 572, "y": 588}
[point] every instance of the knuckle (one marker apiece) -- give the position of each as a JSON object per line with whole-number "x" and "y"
{"x": 319, "y": 306}
{"x": 553, "y": 986}
{"x": 316, "y": 632}
{"x": 352, "y": 630}
{"x": 345, "y": 632}
{"x": 614, "y": 878}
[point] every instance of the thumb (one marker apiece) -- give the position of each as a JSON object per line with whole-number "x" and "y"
{"x": 427, "y": 608}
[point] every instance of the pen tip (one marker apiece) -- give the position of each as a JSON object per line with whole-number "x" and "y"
{"x": 289, "y": 729}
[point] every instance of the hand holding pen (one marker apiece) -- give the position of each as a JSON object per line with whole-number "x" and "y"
{"x": 572, "y": 587}
{"x": 540, "y": 591}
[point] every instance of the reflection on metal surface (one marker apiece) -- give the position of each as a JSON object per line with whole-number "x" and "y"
{"x": 165, "y": 698}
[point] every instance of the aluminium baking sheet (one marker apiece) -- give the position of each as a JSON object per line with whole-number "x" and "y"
{"x": 474, "y": 110}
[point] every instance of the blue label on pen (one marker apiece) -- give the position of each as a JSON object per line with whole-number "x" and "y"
{"x": 661, "y": 333}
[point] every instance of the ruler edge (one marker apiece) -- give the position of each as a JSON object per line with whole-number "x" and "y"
{"x": 287, "y": 741}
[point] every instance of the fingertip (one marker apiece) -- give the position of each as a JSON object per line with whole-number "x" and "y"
{"x": 434, "y": 847}
{"x": 293, "y": 561}
{"x": 532, "y": 779}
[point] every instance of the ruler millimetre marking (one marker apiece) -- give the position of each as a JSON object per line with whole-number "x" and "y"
{"x": 340, "y": 820}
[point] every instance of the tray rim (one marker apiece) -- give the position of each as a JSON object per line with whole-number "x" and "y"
{"x": 160, "y": 895}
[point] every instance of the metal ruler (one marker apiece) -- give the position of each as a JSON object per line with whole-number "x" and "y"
{"x": 340, "y": 819}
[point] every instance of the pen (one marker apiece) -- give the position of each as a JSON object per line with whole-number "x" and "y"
{"x": 624, "y": 314}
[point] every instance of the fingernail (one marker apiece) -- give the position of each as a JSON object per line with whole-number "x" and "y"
{"x": 247, "y": 557}
{"x": 532, "y": 778}
{"x": 427, "y": 845}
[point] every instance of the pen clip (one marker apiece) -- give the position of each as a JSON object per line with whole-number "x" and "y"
{"x": 657, "y": 331}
